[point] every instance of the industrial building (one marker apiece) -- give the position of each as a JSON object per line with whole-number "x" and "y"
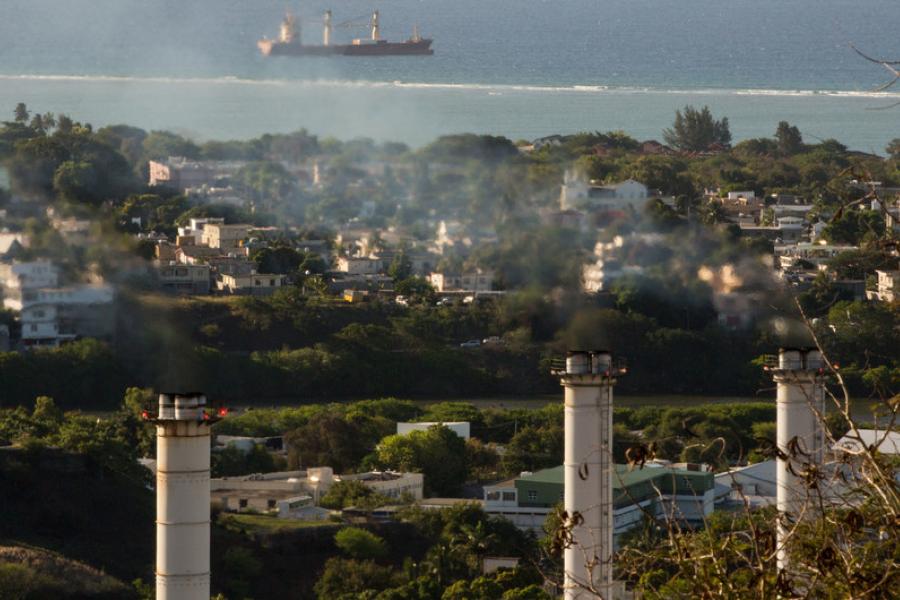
{"x": 264, "y": 492}
{"x": 685, "y": 489}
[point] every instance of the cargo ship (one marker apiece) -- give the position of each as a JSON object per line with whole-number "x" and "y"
{"x": 289, "y": 41}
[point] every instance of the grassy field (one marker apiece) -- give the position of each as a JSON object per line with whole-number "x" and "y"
{"x": 255, "y": 523}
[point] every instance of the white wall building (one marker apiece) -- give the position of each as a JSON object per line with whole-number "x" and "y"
{"x": 578, "y": 193}
{"x": 888, "y": 287}
{"x": 264, "y": 491}
{"x": 255, "y": 284}
{"x": 358, "y": 266}
{"x": 219, "y": 235}
{"x": 478, "y": 281}
{"x": 50, "y": 314}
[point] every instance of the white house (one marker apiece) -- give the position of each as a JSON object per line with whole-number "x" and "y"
{"x": 50, "y": 314}
{"x": 358, "y": 266}
{"x": 477, "y": 281}
{"x": 578, "y": 193}
{"x": 195, "y": 227}
{"x": 888, "y": 289}
{"x": 254, "y": 284}
{"x": 219, "y": 235}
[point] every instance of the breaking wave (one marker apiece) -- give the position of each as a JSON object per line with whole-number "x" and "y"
{"x": 490, "y": 89}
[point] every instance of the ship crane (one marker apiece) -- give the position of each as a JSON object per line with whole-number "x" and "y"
{"x": 362, "y": 21}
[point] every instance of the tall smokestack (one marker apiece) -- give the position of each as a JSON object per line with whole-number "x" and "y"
{"x": 588, "y": 379}
{"x": 182, "y": 497}
{"x": 800, "y": 404}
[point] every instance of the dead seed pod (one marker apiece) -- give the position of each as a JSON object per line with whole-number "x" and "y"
{"x": 583, "y": 471}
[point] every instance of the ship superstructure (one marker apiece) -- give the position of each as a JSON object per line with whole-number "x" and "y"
{"x": 289, "y": 42}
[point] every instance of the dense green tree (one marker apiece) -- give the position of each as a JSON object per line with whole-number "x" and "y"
{"x": 328, "y": 440}
{"x": 696, "y": 130}
{"x": 243, "y": 568}
{"x": 859, "y": 264}
{"x": 351, "y": 492}
{"x": 893, "y": 149}
{"x": 230, "y": 461}
{"x": 438, "y": 453}
{"x": 21, "y": 113}
{"x": 159, "y": 145}
{"x": 277, "y": 259}
{"x": 348, "y": 578}
{"x": 789, "y": 139}
{"x": 76, "y": 182}
{"x": 533, "y": 448}
{"x": 854, "y": 226}
{"x": 416, "y": 289}
{"x": 401, "y": 267}
{"x": 360, "y": 544}
{"x": 470, "y": 147}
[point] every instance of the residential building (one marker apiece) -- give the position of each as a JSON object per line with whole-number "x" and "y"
{"x": 216, "y": 195}
{"x": 50, "y": 314}
{"x": 224, "y": 237}
{"x": 554, "y": 140}
{"x": 617, "y": 258}
{"x": 477, "y": 281}
{"x": 12, "y": 244}
{"x": 785, "y": 230}
{"x": 195, "y": 255}
{"x": 255, "y": 284}
{"x": 231, "y": 264}
{"x": 787, "y": 205}
{"x": 194, "y": 228}
{"x": 358, "y": 266}
{"x": 787, "y": 256}
{"x": 75, "y": 232}
{"x": 180, "y": 173}
{"x": 737, "y": 309}
{"x": 888, "y": 286}
{"x": 27, "y": 275}
{"x": 579, "y": 194}
{"x": 190, "y": 279}
{"x": 685, "y": 491}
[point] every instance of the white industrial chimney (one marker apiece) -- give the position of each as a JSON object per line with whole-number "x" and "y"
{"x": 800, "y": 405}
{"x": 588, "y": 379}
{"x": 182, "y": 497}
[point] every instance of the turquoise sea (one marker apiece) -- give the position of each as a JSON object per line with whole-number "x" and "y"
{"x": 521, "y": 68}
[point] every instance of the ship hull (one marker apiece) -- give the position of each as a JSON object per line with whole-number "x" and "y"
{"x": 381, "y": 48}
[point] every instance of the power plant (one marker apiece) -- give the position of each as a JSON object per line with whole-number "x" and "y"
{"x": 588, "y": 379}
{"x": 183, "y": 471}
{"x": 182, "y": 496}
{"x": 800, "y": 436}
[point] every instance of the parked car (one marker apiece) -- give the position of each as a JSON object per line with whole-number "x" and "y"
{"x": 401, "y": 300}
{"x": 470, "y": 344}
{"x": 495, "y": 340}
{"x": 446, "y": 301}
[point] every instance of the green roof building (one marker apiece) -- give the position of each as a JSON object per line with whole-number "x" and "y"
{"x": 686, "y": 492}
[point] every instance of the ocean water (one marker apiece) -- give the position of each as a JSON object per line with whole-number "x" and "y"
{"x": 521, "y": 68}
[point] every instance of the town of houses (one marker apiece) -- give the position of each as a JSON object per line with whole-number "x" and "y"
{"x": 210, "y": 256}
